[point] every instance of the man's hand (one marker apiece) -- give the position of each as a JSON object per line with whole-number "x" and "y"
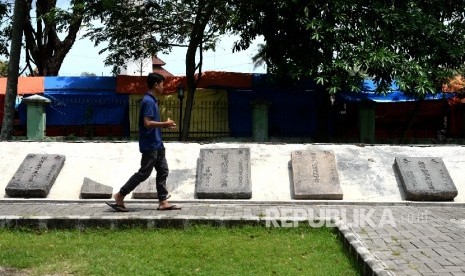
{"x": 170, "y": 124}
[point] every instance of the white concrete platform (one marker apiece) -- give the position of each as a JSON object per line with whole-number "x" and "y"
{"x": 366, "y": 173}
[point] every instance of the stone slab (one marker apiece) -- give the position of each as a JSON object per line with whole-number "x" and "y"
{"x": 224, "y": 174}
{"x": 425, "y": 179}
{"x": 93, "y": 190}
{"x": 146, "y": 190}
{"x": 315, "y": 175}
{"x": 35, "y": 176}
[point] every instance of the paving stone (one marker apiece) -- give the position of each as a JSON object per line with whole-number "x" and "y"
{"x": 146, "y": 190}
{"x": 429, "y": 252}
{"x": 224, "y": 174}
{"x": 425, "y": 179}
{"x": 315, "y": 175}
{"x": 402, "y": 261}
{"x": 455, "y": 261}
{"x": 451, "y": 268}
{"x": 93, "y": 190}
{"x": 35, "y": 176}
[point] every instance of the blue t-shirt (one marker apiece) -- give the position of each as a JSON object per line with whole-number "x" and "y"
{"x": 149, "y": 138}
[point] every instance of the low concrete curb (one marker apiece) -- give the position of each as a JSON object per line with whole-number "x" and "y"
{"x": 369, "y": 264}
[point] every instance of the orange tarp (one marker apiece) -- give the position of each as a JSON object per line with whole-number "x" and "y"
{"x": 225, "y": 79}
{"x": 456, "y": 84}
{"x": 26, "y": 85}
{"x": 137, "y": 84}
{"x": 130, "y": 84}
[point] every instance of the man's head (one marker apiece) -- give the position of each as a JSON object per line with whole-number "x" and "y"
{"x": 154, "y": 80}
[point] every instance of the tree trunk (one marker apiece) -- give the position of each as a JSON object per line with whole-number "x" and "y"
{"x": 196, "y": 39}
{"x": 191, "y": 87}
{"x": 13, "y": 70}
{"x": 43, "y": 46}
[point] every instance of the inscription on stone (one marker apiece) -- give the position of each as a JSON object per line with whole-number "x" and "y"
{"x": 315, "y": 175}
{"x": 146, "y": 190}
{"x": 35, "y": 176}
{"x": 224, "y": 174}
{"x": 425, "y": 178}
{"x": 93, "y": 190}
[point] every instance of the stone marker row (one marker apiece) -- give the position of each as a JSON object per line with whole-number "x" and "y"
{"x": 35, "y": 176}
{"x": 93, "y": 190}
{"x": 425, "y": 178}
{"x": 225, "y": 174}
{"x": 315, "y": 175}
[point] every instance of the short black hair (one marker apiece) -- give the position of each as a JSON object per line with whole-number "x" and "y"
{"x": 153, "y": 78}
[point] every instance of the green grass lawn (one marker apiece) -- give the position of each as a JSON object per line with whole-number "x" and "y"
{"x": 200, "y": 250}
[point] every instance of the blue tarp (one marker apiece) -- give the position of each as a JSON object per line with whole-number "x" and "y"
{"x": 369, "y": 93}
{"x": 291, "y": 112}
{"x": 72, "y": 85}
{"x": 84, "y": 101}
{"x": 84, "y": 109}
{"x": 240, "y": 112}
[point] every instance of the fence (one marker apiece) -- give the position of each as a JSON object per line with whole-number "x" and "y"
{"x": 209, "y": 118}
{"x": 395, "y": 122}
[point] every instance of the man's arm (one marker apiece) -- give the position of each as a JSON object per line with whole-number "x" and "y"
{"x": 149, "y": 123}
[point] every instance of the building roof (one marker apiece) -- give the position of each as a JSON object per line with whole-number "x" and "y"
{"x": 26, "y": 85}
{"x": 157, "y": 61}
{"x": 161, "y": 71}
{"x": 210, "y": 79}
{"x": 157, "y": 67}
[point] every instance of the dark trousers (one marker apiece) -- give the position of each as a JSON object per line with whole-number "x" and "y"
{"x": 153, "y": 159}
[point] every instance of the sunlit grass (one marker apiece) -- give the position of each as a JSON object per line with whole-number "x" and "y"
{"x": 201, "y": 250}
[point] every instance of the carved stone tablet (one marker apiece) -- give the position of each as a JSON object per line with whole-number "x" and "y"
{"x": 315, "y": 175}
{"x": 146, "y": 190}
{"x": 93, "y": 190}
{"x": 425, "y": 178}
{"x": 224, "y": 174}
{"x": 35, "y": 176}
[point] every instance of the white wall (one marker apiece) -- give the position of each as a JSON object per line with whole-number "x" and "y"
{"x": 137, "y": 68}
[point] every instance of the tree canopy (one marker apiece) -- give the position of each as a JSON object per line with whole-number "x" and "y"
{"x": 3, "y": 69}
{"x": 419, "y": 44}
{"x": 135, "y": 31}
{"x": 144, "y": 28}
{"x": 337, "y": 43}
{"x": 49, "y": 33}
{"x": 5, "y": 9}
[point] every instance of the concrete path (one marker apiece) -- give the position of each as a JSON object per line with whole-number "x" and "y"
{"x": 387, "y": 239}
{"x": 388, "y": 235}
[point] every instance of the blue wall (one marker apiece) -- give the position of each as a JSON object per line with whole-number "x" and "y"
{"x": 292, "y": 112}
{"x": 83, "y": 101}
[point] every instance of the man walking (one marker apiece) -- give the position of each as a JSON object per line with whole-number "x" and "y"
{"x": 151, "y": 147}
